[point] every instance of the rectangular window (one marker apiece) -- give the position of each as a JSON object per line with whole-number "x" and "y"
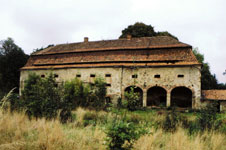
{"x": 92, "y": 75}
{"x": 134, "y": 76}
{"x": 157, "y": 76}
{"x": 108, "y": 85}
{"x": 78, "y": 75}
{"x": 56, "y": 75}
{"x": 180, "y": 75}
{"x": 107, "y": 75}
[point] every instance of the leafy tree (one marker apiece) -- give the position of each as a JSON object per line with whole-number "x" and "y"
{"x": 208, "y": 81}
{"x": 140, "y": 29}
{"x": 12, "y": 58}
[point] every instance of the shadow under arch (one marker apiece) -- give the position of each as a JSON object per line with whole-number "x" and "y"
{"x": 181, "y": 97}
{"x": 156, "y": 96}
{"x": 136, "y": 90}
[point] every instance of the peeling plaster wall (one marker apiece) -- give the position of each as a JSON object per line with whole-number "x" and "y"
{"x": 122, "y": 78}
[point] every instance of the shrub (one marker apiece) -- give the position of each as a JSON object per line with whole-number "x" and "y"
{"x": 121, "y": 135}
{"x": 171, "y": 121}
{"x": 98, "y": 93}
{"x": 207, "y": 117}
{"x": 133, "y": 100}
{"x": 41, "y": 97}
{"x": 75, "y": 94}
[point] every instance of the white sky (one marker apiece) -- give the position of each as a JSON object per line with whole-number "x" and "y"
{"x": 38, "y": 23}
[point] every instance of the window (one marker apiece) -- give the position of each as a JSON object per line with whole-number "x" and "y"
{"x": 134, "y": 76}
{"x": 108, "y": 84}
{"x": 180, "y": 75}
{"x": 92, "y": 75}
{"x": 107, "y": 75}
{"x": 42, "y": 76}
{"x": 157, "y": 76}
{"x": 56, "y": 75}
{"x": 78, "y": 75}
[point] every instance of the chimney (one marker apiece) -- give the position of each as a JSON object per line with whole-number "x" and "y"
{"x": 86, "y": 39}
{"x": 129, "y": 36}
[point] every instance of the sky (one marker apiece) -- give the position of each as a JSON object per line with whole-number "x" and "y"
{"x": 37, "y": 23}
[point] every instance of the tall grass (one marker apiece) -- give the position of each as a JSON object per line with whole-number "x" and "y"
{"x": 18, "y": 132}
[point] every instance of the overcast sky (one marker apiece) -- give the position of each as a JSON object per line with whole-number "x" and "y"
{"x": 37, "y": 23}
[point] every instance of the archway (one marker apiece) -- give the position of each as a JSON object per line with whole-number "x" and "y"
{"x": 181, "y": 97}
{"x": 156, "y": 96}
{"x": 136, "y": 90}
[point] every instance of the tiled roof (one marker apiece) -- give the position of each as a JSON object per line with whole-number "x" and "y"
{"x": 214, "y": 94}
{"x": 133, "y": 43}
{"x": 148, "y": 51}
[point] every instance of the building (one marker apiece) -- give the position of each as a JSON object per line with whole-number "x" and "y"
{"x": 162, "y": 69}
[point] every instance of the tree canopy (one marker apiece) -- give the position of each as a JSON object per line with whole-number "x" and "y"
{"x": 12, "y": 58}
{"x": 140, "y": 29}
{"x": 208, "y": 81}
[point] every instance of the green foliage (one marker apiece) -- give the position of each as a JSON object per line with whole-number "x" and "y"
{"x": 121, "y": 135}
{"x": 41, "y": 97}
{"x": 166, "y": 33}
{"x": 97, "y": 95}
{"x": 12, "y": 58}
{"x": 207, "y": 117}
{"x": 171, "y": 121}
{"x": 208, "y": 81}
{"x": 140, "y": 29}
{"x": 133, "y": 100}
{"x": 75, "y": 94}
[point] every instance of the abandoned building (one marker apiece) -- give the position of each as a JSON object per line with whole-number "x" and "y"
{"x": 162, "y": 69}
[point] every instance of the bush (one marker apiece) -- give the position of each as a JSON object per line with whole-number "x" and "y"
{"x": 133, "y": 100}
{"x": 121, "y": 135}
{"x": 171, "y": 121}
{"x": 41, "y": 97}
{"x": 207, "y": 117}
{"x": 75, "y": 94}
{"x": 97, "y": 97}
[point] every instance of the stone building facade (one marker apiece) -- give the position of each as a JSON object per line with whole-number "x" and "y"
{"x": 162, "y": 69}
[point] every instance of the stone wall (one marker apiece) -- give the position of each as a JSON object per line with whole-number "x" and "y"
{"x": 118, "y": 79}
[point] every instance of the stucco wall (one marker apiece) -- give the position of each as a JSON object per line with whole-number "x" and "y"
{"x": 121, "y": 78}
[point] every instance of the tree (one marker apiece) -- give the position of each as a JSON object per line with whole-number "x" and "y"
{"x": 208, "y": 81}
{"x": 140, "y": 29}
{"x": 12, "y": 58}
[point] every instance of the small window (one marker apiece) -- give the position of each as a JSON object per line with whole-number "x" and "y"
{"x": 107, "y": 75}
{"x": 92, "y": 75}
{"x": 180, "y": 75}
{"x": 157, "y": 76}
{"x": 56, "y": 75}
{"x": 134, "y": 76}
{"x": 78, "y": 75}
{"x": 108, "y": 85}
{"x": 108, "y": 100}
{"x": 42, "y": 76}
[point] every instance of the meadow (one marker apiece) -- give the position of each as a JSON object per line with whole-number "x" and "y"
{"x": 87, "y": 131}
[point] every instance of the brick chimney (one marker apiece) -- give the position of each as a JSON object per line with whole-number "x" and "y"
{"x": 128, "y": 36}
{"x": 86, "y": 39}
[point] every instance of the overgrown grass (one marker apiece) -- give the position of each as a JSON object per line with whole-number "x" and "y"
{"x": 87, "y": 132}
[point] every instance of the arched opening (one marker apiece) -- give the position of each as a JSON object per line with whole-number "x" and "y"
{"x": 156, "y": 96}
{"x": 136, "y": 90}
{"x": 181, "y": 97}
